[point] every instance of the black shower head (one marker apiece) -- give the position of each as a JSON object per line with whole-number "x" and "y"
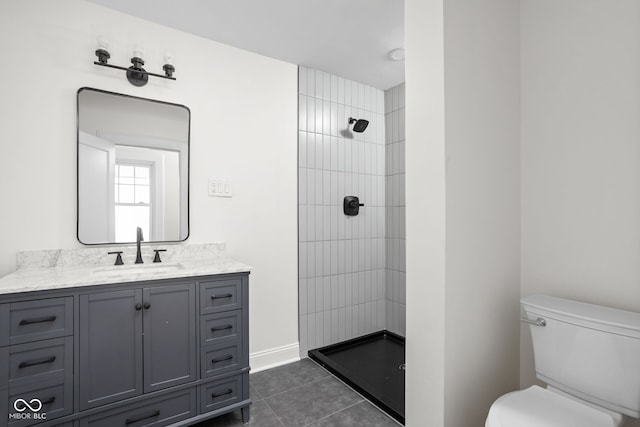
{"x": 360, "y": 124}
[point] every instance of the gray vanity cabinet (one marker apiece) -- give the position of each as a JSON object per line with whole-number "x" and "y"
{"x": 136, "y": 341}
{"x": 160, "y": 352}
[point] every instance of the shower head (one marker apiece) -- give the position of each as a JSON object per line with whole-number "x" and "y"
{"x": 360, "y": 124}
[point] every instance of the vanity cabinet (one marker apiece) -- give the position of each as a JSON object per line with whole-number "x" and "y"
{"x": 135, "y": 341}
{"x": 170, "y": 351}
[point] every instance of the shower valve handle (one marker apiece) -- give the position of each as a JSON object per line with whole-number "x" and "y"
{"x": 351, "y": 205}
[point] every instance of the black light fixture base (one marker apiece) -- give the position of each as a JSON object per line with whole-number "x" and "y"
{"x": 103, "y": 56}
{"x": 168, "y": 69}
{"x": 137, "y": 76}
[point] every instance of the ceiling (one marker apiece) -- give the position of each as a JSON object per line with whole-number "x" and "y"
{"x": 350, "y": 38}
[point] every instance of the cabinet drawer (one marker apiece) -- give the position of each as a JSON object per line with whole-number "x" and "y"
{"x": 223, "y": 392}
{"x": 220, "y": 295}
{"x": 54, "y": 400}
{"x": 220, "y": 328}
{"x": 37, "y": 361}
{"x": 159, "y": 411}
{"x": 28, "y": 321}
{"x": 218, "y": 360}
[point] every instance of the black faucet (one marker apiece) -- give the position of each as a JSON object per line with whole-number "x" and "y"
{"x": 139, "y": 238}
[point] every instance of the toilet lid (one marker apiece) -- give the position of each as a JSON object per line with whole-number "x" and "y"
{"x": 537, "y": 407}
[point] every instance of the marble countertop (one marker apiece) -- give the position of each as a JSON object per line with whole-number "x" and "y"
{"x": 34, "y": 276}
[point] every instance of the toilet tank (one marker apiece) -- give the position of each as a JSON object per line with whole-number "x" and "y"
{"x": 589, "y": 351}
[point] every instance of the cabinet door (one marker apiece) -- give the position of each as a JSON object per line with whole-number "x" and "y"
{"x": 110, "y": 347}
{"x": 169, "y": 336}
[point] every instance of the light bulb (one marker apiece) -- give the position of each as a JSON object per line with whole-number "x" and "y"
{"x": 138, "y": 52}
{"x": 168, "y": 58}
{"x": 103, "y": 43}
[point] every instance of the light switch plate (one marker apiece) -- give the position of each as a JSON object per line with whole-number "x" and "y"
{"x": 219, "y": 188}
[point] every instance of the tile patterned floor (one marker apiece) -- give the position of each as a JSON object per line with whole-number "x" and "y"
{"x": 303, "y": 394}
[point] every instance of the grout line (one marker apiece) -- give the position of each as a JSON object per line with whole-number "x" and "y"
{"x": 255, "y": 390}
{"x": 274, "y": 413}
{"x": 336, "y": 412}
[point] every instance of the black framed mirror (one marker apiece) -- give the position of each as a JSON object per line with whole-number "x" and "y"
{"x": 133, "y": 168}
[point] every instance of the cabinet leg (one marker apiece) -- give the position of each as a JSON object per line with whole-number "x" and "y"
{"x": 245, "y": 414}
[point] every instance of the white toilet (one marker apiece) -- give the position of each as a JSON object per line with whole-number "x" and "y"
{"x": 589, "y": 357}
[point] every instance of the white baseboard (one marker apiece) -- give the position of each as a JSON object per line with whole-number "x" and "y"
{"x": 261, "y": 360}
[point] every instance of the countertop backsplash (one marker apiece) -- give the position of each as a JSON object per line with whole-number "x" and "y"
{"x": 98, "y": 256}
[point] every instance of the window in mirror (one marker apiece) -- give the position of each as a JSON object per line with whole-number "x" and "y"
{"x": 132, "y": 201}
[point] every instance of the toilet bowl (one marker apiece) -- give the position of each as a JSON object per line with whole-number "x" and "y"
{"x": 589, "y": 357}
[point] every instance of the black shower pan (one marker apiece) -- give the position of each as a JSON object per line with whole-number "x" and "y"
{"x": 373, "y": 365}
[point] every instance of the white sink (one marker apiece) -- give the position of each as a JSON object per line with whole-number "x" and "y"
{"x": 147, "y": 269}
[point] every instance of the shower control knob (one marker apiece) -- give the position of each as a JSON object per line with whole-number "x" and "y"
{"x": 351, "y": 205}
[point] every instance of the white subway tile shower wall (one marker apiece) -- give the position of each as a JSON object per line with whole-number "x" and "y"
{"x": 342, "y": 281}
{"x": 395, "y": 264}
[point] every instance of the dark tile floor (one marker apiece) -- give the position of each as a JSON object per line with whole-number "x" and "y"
{"x": 303, "y": 394}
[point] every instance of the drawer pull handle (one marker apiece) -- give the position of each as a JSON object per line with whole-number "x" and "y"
{"x": 34, "y": 362}
{"x": 37, "y": 320}
{"x": 141, "y": 417}
{"x": 49, "y": 400}
{"x": 221, "y": 296}
{"x": 221, "y": 328}
{"x": 222, "y": 359}
{"x": 229, "y": 391}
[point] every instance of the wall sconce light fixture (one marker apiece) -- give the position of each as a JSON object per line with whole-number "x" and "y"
{"x": 136, "y": 75}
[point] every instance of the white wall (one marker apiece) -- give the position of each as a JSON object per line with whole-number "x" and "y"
{"x": 425, "y": 195}
{"x": 580, "y": 154}
{"x": 243, "y": 128}
{"x": 482, "y": 113}
{"x": 463, "y": 229}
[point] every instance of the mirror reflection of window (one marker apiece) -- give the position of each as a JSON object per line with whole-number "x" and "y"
{"x": 132, "y": 201}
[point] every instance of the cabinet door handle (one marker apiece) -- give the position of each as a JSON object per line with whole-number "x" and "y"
{"x": 141, "y": 417}
{"x": 221, "y": 328}
{"x": 214, "y": 395}
{"x": 138, "y": 306}
{"x": 214, "y": 296}
{"x": 34, "y": 362}
{"x": 37, "y": 320}
{"x": 222, "y": 359}
{"x": 147, "y": 305}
